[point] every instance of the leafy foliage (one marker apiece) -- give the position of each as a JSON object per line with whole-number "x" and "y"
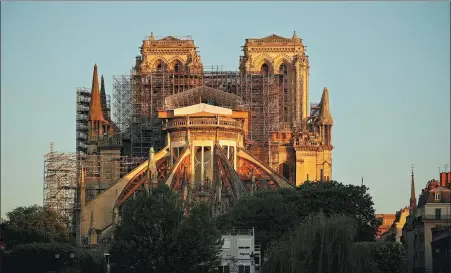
{"x": 155, "y": 235}
{"x": 34, "y": 224}
{"x": 270, "y": 213}
{"x": 273, "y": 214}
{"x": 321, "y": 244}
{"x": 389, "y": 256}
{"x": 40, "y": 257}
{"x": 337, "y": 198}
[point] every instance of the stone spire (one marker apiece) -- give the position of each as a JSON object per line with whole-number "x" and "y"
{"x": 95, "y": 107}
{"x": 413, "y": 199}
{"x": 103, "y": 98}
{"x": 294, "y": 35}
{"x": 324, "y": 113}
{"x": 152, "y": 38}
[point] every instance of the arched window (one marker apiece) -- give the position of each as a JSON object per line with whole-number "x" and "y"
{"x": 265, "y": 69}
{"x": 283, "y": 69}
{"x": 161, "y": 67}
{"x": 178, "y": 67}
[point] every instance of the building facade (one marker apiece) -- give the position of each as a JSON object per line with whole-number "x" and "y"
{"x": 394, "y": 233}
{"x": 432, "y": 211}
{"x": 212, "y": 137}
{"x": 239, "y": 252}
{"x": 386, "y": 221}
{"x": 441, "y": 249}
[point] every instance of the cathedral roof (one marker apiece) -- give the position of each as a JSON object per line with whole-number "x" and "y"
{"x": 202, "y": 108}
{"x": 169, "y": 38}
{"x": 95, "y": 106}
{"x": 274, "y": 38}
{"x": 203, "y": 94}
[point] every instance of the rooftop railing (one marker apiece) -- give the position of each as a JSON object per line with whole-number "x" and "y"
{"x": 437, "y": 217}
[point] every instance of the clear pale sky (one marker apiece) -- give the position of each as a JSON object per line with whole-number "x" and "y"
{"x": 386, "y": 64}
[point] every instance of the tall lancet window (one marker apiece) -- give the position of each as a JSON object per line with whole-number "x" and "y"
{"x": 178, "y": 67}
{"x": 203, "y": 167}
{"x": 283, "y": 69}
{"x": 265, "y": 69}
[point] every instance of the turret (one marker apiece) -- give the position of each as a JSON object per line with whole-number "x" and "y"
{"x": 96, "y": 119}
{"x": 103, "y": 101}
{"x": 325, "y": 119}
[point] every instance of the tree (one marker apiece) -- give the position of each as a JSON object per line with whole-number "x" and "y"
{"x": 389, "y": 256}
{"x": 41, "y": 257}
{"x": 155, "y": 235}
{"x": 274, "y": 213}
{"x": 271, "y": 214}
{"x": 34, "y": 224}
{"x": 337, "y": 198}
{"x": 320, "y": 244}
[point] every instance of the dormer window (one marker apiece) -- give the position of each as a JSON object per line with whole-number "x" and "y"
{"x": 437, "y": 197}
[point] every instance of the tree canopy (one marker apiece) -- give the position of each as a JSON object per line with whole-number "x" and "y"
{"x": 156, "y": 234}
{"x": 389, "y": 256}
{"x": 34, "y": 224}
{"x": 321, "y": 244}
{"x": 273, "y": 214}
{"x": 41, "y": 257}
{"x": 337, "y": 198}
{"x": 269, "y": 213}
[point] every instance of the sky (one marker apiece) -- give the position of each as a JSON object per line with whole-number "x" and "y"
{"x": 386, "y": 65}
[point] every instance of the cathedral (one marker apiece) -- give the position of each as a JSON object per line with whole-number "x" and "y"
{"x": 213, "y": 136}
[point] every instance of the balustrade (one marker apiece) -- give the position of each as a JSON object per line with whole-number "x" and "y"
{"x": 204, "y": 122}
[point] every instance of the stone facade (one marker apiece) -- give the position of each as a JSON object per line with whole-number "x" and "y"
{"x": 211, "y": 145}
{"x": 433, "y": 210}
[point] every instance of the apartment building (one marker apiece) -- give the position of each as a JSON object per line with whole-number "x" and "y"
{"x": 239, "y": 253}
{"x": 441, "y": 249}
{"x": 433, "y": 210}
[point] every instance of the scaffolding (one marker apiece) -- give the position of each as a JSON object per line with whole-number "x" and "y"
{"x": 136, "y": 99}
{"x": 62, "y": 178}
{"x": 122, "y": 101}
{"x": 82, "y": 113}
{"x": 60, "y": 183}
{"x": 101, "y": 170}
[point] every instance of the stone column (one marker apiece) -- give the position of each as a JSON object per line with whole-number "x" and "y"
{"x": 298, "y": 92}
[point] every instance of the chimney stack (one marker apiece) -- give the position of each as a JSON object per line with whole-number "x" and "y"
{"x": 445, "y": 179}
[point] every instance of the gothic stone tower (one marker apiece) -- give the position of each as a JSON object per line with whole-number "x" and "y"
{"x": 104, "y": 143}
{"x": 169, "y": 54}
{"x": 166, "y": 66}
{"x": 299, "y": 143}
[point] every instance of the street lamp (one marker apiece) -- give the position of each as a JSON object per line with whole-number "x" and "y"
{"x": 107, "y": 257}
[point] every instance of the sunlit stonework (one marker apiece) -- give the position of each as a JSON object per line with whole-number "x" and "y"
{"x": 213, "y": 136}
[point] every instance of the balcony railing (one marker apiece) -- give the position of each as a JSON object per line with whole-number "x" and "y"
{"x": 203, "y": 122}
{"x": 437, "y": 217}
